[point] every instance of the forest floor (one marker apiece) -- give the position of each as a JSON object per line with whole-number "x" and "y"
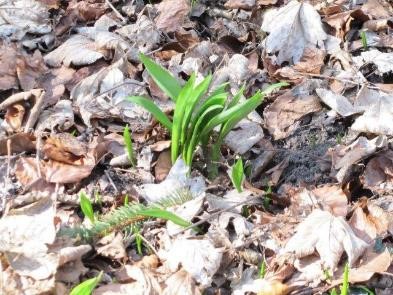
{"x": 309, "y": 212}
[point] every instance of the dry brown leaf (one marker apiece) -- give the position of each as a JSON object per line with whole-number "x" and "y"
{"x": 163, "y": 165}
{"x": 376, "y": 9}
{"x": 59, "y": 117}
{"x": 330, "y": 197}
{"x": 343, "y": 157}
{"x": 327, "y": 235}
{"x": 369, "y": 221}
{"x": 112, "y": 246}
{"x": 29, "y": 69}
{"x": 14, "y": 116}
{"x": 8, "y": 78}
{"x": 293, "y": 28}
{"x": 65, "y": 148}
{"x": 20, "y": 142}
{"x": 283, "y": 115}
{"x": 336, "y": 102}
{"x": 379, "y": 172}
{"x": 172, "y": 15}
{"x": 240, "y": 4}
{"x": 249, "y": 131}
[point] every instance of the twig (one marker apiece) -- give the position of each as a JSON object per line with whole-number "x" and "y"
{"x": 120, "y": 85}
{"x": 216, "y": 214}
{"x": 111, "y": 181}
{"x": 124, "y": 20}
{"x": 149, "y": 244}
{"x": 8, "y": 160}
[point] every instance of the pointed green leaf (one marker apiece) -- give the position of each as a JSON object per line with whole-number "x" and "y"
{"x": 129, "y": 148}
{"x": 162, "y": 77}
{"x": 153, "y": 109}
{"x": 86, "y": 287}
{"x": 237, "y": 175}
{"x": 163, "y": 214}
{"x": 86, "y": 206}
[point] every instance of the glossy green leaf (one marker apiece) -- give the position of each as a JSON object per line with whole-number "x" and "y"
{"x": 128, "y": 144}
{"x": 153, "y": 109}
{"x": 237, "y": 175}
{"x": 86, "y": 287}
{"x": 86, "y": 206}
{"x": 163, "y": 78}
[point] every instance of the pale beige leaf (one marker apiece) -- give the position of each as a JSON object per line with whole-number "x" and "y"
{"x": 327, "y": 235}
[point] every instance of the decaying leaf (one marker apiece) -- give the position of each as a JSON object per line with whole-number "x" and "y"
{"x": 382, "y": 60}
{"x": 283, "y": 116}
{"x": 25, "y": 233}
{"x": 379, "y": 172}
{"x": 250, "y": 132}
{"x": 329, "y": 236}
{"x": 198, "y": 257}
{"x": 181, "y": 283}
{"x": 20, "y": 142}
{"x": 112, "y": 246}
{"x": 172, "y": 14}
{"x": 338, "y": 103}
{"x": 293, "y": 28}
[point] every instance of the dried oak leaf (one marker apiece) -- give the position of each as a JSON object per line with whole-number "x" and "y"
{"x": 329, "y": 236}
{"x": 65, "y": 148}
{"x": 293, "y": 28}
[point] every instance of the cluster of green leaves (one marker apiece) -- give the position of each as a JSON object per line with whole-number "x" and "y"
{"x": 130, "y": 214}
{"x": 197, "y": 112}
{"x": 128, "y": 146}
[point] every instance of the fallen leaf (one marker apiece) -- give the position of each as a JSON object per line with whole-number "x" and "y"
{"x": 343, "y": 157}
{"x": 376, "y": 119}
{"x": 25, "y": 233}
{"x": 181, "y": 282}
{"x": 292, "y": 29}
{"x": 112, "y": 246}
{"x": 250, "y": 132}
{"x": 20, "y": 142}
{"x": 172, "y": 14}
{"x": 369, "y": 221}
{"x": 329, "y": 236}
{"x": 66, "y": 52}
{"x": 338, "y": 103}
{"x": 282, "y": 117}
{"x": 240, "y": 4}
{"x": 65, "y": 148}
{"x": 176, "y": 181}
{"x": 14, "y": 116}
{"x": 379, "y": 172}
{"x": 382, "y": 60}
{"x": 198, "y": 257}
{"x": 59, "y": 117}
{"x": 23, "y": 16}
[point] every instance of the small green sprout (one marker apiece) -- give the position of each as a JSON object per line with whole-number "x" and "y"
{"x": 128, "y": 143}
{"x": 262, "y": 270}
{"x": 126, "y": 200}
{"x": 86, "y": 206}
{"x": 345, "y": 285}
{"x": 138, "y": 239}
{"x": 267, "y": 199}
{"x": 86, "y": 287}
{"x": 237, "y": 175}
{"x": 364, "y": 40}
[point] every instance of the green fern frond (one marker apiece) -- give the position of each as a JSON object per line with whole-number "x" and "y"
{"x": 130, "y": 214}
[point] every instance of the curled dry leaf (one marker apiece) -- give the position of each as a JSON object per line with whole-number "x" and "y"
{"x": 112, "y": 246}
{"x": 329, "y": 236}
{"x": 343, "y": 157}
{"x": 65, "y": 148}
{"x": 283, "y": 116}
{"x": 379, "y": 172}
{"x": 60, "y": 117}
{"x": 198, "y": 257}
{"x": 369, "y": 221}
{"x": 292, "y": 29}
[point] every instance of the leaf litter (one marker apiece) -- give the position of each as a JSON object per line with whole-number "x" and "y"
{"x": 317, "y": 154}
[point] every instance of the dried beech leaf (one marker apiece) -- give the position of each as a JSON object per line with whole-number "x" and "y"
{"x": 329, "y": 236}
